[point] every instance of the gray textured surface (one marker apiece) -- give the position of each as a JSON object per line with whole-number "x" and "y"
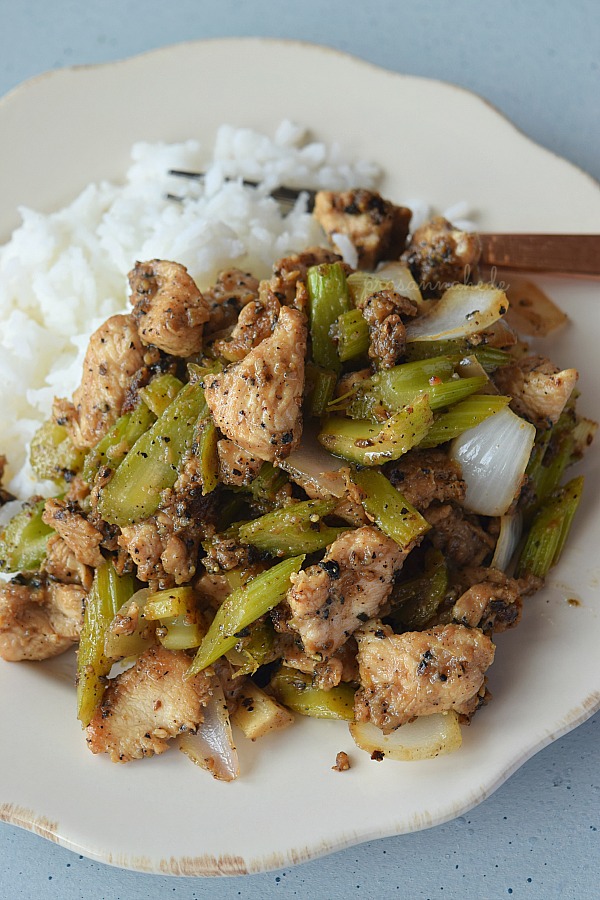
{"x": 537, "y": 836}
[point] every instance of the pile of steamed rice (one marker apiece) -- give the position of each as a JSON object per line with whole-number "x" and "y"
{"x": 62, "y": 274}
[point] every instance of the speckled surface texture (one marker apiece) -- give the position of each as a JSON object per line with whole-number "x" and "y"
{"x": 538, "y": 835}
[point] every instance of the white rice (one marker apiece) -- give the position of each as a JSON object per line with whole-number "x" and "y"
{"x": 62, "y": 274}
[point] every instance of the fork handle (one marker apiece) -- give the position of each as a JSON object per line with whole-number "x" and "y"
{"x": 566, "y": 254}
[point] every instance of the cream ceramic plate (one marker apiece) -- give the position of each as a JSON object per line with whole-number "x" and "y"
{"x": 434, "y": 141}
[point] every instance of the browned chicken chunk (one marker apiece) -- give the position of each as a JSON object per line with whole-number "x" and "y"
{"x": 492, "y": 602}
{"x": 80, "y": 536}
{"x": 328, "y": 601}
{"x": 168, "y": 307}
{"x": 236, "y": 467}
{"x": 147, "y": 705}
{"x": 423, "y": 476}
{"x": 291, "y": 270}
{"x": 39, "y": 619}
{"x": 376, "y": 227}
{"x": 256, "y": 321}
{"x": 458, "y": 535}
{"x": 419, "y": 672}
{"x": 327, "y": 674}
{"x": 113, "y": 356}
{"x": 440, "y": 255}
{"x": 538, "y": 389}
{"x": 257, "y": 402}
{"x": 62, "y": 564}
{"x": 384, "y": 311}
{"x": 164, "y": 556}
{"x": 232, "y": 290}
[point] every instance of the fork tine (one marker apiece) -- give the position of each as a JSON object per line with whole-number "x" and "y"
{"x": 286, "y": 196}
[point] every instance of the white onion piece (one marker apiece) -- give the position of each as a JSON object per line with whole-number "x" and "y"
{"x": 493, "y": 457}
{"x": 511, "y": 528}
{"x": 462, "y": 310}
{"x": 212, "y": 747}
{"x": 314, "y": 469}
{"x": 532, "y": 312}
{"x": 403, "y": 281}
{"x": 424, "y": 738}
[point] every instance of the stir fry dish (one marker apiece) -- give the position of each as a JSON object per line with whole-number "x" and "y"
{"x": 319, "y": 494}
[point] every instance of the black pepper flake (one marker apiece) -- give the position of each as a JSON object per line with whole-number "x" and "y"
{"x": 377, "y": 755}
{"x": 331, "y": 567}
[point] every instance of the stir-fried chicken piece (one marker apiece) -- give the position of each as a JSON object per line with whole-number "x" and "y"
{"x": 492, "y": 602}
{"x": 539, "y": 391}
{"x": 232, "y": 290}
{"x": 236, "y": 467}
{"x": 39, "y": 618}
{"x": 164, "y": 555}
{"x": 419, "y": 672}
{"x": 81, "y": 537}
{"x": 328, "y": 601}
{"x": 458, "y": 535}
{"x": 256, "y": 321}
{"x": 291, "y": 270}
{"x": 440, "y": 255}
{"x": 384, "y": 311}
{"x": 257, "y": 402}
{"x": 147, "y": 705}
{"x": 62, "y": 564}
{"x": 327, "y": 674}
{"x": 376, "y": 227}
{"x": 423, "y": 476}
{"x": 168, "y": 307}
{"x": 114, "y": 355}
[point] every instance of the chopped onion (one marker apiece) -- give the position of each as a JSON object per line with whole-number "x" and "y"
{"x": 462, "y": 310}
{"x": 532, "y": 312}
{"x": 508, "y": 539}
{"x": 212, "y": 747}
{"x": 493, "y": 457}
{"x": 314, "y": 469}
{"x": 424, "y": 738}
{"x": 403, "y": 281}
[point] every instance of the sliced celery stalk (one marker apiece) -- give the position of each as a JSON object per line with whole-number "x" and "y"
{"x": 118, "y": 441}
{"x": 292, "y": 530}
{"x": 549, "y": 530}
{"x": 391, "y": 511}
{"x": 171, "y": 602}
{"x": 53, "y": 454}
{"x": 328, "y": 299}
{"x": 152, "y": 465}
{"x": 322, "y": 385}
{"x": 205, "y": 447}
{"x": 462, "y": 416}
{"x": 418, "y": 599}
{"x": 489, "y": 357}
{"x": 369, "y": 444}
{"x": 23, "y": 539}
{"x": 254, "y": 650}
{"x": 241, "y": 608}
{"x": 160, "y": 392}
{"x": 108, "y": 594}
{"x": 184, "y": 632}
{"x": 296, "y": 691}
{"x": 352, "y": 335}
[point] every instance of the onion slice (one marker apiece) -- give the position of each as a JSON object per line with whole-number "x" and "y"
{"x": 493, "y": 457}
{"x": 212, "y": 747}
{"x": 462, "y": 310}
{"x": 511, "y": 528}
{"x": 404, "y": 283}
{"x": 314, "y": 469}
{"x": 423, "y": 738}
{"x": 532, "y": 312}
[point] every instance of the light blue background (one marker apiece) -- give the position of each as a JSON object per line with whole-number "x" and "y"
{"x": 538, "y": 835}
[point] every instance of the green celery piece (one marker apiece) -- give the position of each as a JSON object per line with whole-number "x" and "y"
{"x": 23, "y": 539}
{"x": 267, "y": 483}
{"x": 417, "y": 600}
{"x": 391, "y": 511}
{"x": 552, "y": 455}
{"x": 322, "y": 384}
{"x": 152, "y": 465}
{"x": 368, "y": 444}
{"x": 352, "y": 335}
{"x": 183, "y": 632}
{"x": 108, "y": 594}
{"x": 160, "y": 391}
{"x": 328, "y": 298}
{"x": 549, "y": 529}
{"x": 205, "y": 448}
{"x": 243, "y": 607}
{"x": 112, "y": 449}
{"x": 462, "y": 416}
{"x": 295, "y": 690}
{"x": 255, "y": 649}
{"x": 292, "y": 530}
{"x": 490, "y": 358}
{"x": 52, "y": 453}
